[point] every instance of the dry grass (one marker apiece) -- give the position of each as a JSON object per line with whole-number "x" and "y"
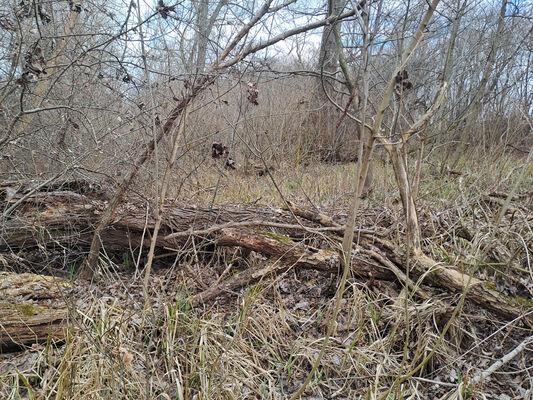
{"x": 259, "y": 343}
{"x": 331, "y": 185}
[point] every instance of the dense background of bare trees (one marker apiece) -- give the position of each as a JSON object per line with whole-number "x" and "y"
{"x": 78, "y": 94}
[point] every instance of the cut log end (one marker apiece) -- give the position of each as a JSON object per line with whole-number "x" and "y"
{"x": 32, "y": 309}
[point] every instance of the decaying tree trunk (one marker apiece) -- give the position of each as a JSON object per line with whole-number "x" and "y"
{"x": 68, "y": 219}
{"x": 32, "y": 309}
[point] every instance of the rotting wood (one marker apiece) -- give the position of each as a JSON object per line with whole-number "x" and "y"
{"x": 286, "y": 255}
{"x": 68, "y": 218}
{"x": 299, "y": 254}
{"x": 32, "y": 309}
{"x": 479, "y": 292}
{"x": 447, "y": 277}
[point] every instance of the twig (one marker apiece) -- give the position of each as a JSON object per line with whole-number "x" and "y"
{"x": 527, "y": 253}
{"x": 398, "y": 272}
{"x": 502, "y": 361}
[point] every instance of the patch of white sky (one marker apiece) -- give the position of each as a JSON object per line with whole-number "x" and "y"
{"x": 232, "y": 18}
{"x": 234, "y": 15}
{"x": 301, "y": 46}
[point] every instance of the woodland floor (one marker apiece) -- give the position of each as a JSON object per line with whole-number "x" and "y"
{"x": 259, "y": 341}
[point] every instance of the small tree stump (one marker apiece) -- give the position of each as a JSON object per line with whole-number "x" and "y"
{"x": 32, "y": 309}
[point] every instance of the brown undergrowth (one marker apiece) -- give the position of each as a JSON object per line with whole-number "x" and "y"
{"x": 260, "y": 340}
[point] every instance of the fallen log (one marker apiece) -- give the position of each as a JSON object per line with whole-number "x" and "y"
{"x": 68, "y": 218}
{"x": 32, "y": 309}
{"x": 282, "y": 247}
{"x": 479, "y": 292}
{"x": 437, "y": 274}
{"x": 286, "y": 254}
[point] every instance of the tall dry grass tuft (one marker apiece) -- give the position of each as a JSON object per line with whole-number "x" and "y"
{"x": 258, "y": 345}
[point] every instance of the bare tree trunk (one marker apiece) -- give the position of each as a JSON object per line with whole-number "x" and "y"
{"x": 408, "y": 202}
{"x": 400, "y": 170}
{"x": 205, "y": 25}
{"x": 328, "y": 62}
{"x": 329, "y": 53}
{"x": 474, "y": 107}
{"x": 446, "y": 75}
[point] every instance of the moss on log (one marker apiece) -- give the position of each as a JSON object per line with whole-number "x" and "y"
{"x": 33, "y": 309}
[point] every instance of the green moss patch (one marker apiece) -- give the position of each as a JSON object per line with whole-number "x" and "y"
{"x": 280, "y": 238}
{"x": 26, "y": 309}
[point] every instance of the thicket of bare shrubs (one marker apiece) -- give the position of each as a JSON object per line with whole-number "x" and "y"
{"x": 88, "y": 89}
